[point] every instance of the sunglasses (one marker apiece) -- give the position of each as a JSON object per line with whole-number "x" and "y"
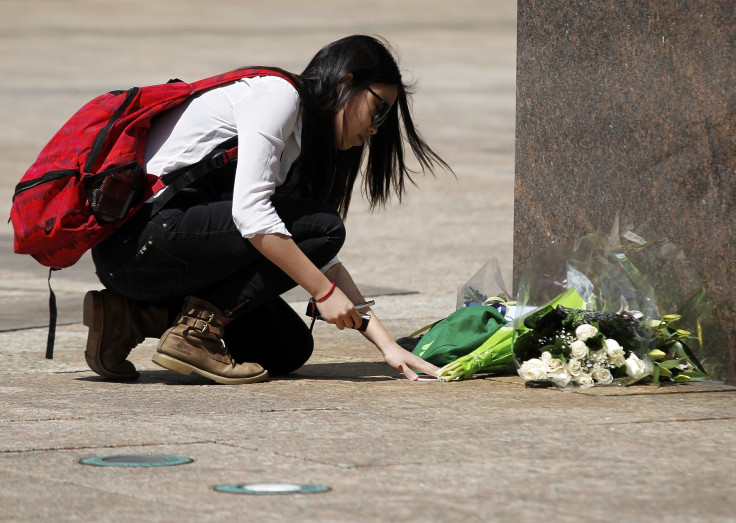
{"x": 382, "y": 113}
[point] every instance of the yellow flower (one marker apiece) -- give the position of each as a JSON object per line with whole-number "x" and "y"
{"x": 682, "y": 378}
{"x": 657, "y": 354}
{"x": 671, "y": 318}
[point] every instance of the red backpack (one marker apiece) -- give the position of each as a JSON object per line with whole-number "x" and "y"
{"x": 89, "y": 178}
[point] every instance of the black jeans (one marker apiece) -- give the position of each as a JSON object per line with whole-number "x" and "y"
{"x": 197, "y": 250}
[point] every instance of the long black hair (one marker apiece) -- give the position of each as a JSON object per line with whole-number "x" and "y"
{"x": 329, "y": 174}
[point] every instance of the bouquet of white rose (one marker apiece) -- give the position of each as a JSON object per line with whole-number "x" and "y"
{"x": 570, "y": 346}
{"x": 604, "y": 325}
{"x": 586, "y": 315}
{"x": 573, "y": 346}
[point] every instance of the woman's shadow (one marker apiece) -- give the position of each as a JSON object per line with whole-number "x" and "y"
{"x": 354, "y": 371}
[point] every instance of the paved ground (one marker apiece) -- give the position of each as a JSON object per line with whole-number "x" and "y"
{"x": 483, "y": 450}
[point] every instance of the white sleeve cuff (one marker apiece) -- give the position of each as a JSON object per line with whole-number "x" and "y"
{"x": 330, "y": 264}
{"x": 278, "y": 228}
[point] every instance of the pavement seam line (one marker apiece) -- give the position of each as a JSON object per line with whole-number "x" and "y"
{"x": 223, "y": 413}
{"x": 99, "y": 447}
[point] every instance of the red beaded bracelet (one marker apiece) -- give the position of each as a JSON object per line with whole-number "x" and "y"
{"x": 327, "y": 295}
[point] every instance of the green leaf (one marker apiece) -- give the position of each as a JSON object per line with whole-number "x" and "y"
{"x": 596, "y": 342}
{"x": 671, "y": 364}
{"x": 685, "y": 351}
{"x": 695, "y": 375}
{"x": 556, "y": 350}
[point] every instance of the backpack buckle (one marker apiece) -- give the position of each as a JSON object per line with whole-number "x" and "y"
{"x": 220, "y": 160}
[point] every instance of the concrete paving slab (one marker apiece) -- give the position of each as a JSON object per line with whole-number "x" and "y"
{"x": 481, "y": 448}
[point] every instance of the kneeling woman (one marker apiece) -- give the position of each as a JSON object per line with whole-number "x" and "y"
{"x": 229, "y": 245}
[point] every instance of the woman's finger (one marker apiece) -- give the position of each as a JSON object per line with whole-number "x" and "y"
{"x": 410, "y": 374}
{"x": 426, "y": 367}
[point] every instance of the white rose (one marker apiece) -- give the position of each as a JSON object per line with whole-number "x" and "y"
{"x": 637, "y": 368}
{"x": 618, "y": 360}
{"x": 613, "y": 349}
{"x": 584, "y": 332}
{"x": 533, "y": 369}
{"x": 553, "y": 364}
{"x": 602, "y": 375}
{"x": 575, "y": 366}
{"x": 578, "y": 349}
{"x": 550, "y": 361}
{"x": 584, "y": 380}
{"x": 560, "y": 376}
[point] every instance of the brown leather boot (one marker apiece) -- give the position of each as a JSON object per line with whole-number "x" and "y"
{"x": 116, "y": 325}
{"x": 194, "y": 344}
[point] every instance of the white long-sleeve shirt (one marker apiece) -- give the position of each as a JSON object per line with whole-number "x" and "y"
{"x": 266, "y": 115}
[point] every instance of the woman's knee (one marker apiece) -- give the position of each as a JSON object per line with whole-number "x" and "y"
{"x": 315, "y": 226}
{"x": 336, "y": 231}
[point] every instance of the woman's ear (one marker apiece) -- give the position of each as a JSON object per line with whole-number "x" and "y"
{"x": 344, "y": 82}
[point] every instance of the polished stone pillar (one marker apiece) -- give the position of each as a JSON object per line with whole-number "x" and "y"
{"x": 629, "y": 107}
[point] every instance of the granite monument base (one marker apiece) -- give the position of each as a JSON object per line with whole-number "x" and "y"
{"x": 629, "y": 108}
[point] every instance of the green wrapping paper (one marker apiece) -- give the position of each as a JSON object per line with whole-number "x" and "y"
{"x": 497, "y": 351}
{"x": 459, "y": 334}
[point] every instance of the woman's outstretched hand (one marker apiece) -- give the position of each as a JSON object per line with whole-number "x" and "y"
{"x": 340, "y": 303}
{"x": 405, "y": 362}
{"x": 338, "y": 310}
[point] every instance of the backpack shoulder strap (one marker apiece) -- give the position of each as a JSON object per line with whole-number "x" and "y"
{"x": 238, "y": 74}
{"x": 174, "y": 181}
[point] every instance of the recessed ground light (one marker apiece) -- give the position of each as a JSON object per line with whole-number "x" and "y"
{"x": 271, "y": 488}
{"x": 145, "y": 460}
